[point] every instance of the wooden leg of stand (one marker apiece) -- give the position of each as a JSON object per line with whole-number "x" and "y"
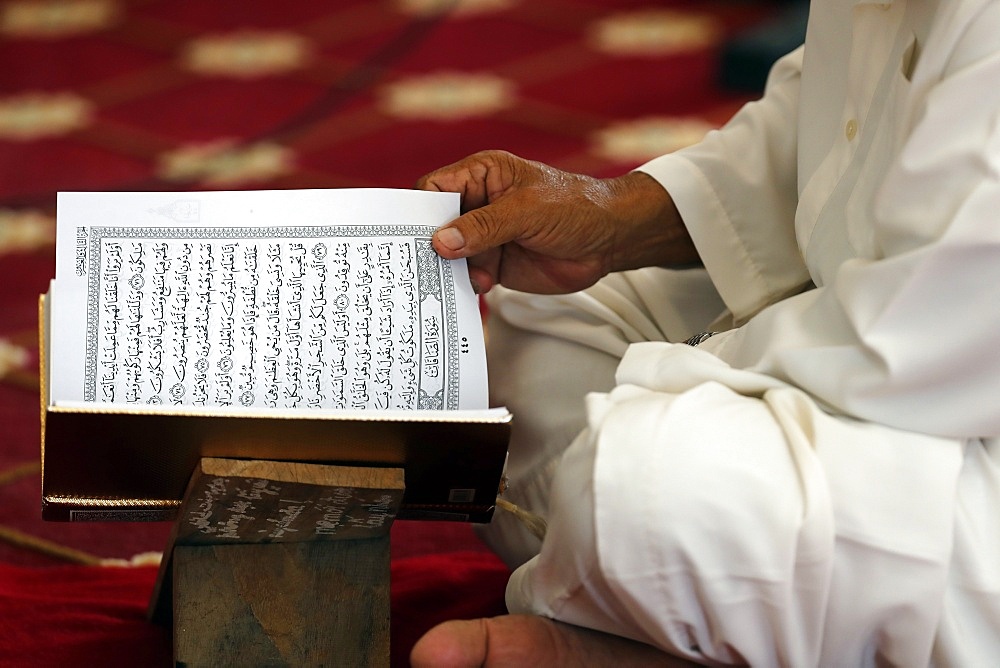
{"x": 280, "y": 564}
{"x": 317, "y": 604}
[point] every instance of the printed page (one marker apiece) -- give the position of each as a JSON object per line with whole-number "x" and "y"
{"x": 299, "y": 299}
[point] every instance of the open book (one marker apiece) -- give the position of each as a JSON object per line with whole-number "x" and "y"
{"x": 312, "y": 325}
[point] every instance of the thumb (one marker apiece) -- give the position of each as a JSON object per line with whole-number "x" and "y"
{"x": 474, "y": 232}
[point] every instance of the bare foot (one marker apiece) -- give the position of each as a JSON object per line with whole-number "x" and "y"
{"x": 526, "y": 640}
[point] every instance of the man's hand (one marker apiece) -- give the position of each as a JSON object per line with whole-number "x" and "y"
{"x": 534, "y": 228}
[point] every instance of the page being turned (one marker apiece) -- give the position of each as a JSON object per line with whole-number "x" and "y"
{"x": 314, "y": 299}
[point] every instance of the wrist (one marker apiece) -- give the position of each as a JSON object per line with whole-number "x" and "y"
{"x": 649, "y": 230}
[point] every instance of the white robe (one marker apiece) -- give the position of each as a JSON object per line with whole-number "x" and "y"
{"x": 820, "y": 483}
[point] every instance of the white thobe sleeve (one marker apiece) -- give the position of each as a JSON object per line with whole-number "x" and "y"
{"x": 745, "y": 232}
{"x": 907, "y": 338}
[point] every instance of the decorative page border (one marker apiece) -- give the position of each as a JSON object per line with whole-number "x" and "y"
{"x": 434, "y": 276}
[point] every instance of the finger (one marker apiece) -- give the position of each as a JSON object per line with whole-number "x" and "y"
{"x": 468, "y": 177}
{"x": 484, "y": 270}
{"x": 478, "y": 231}
{"x": 483, "y": 277}
{"x": 481, "y": 178}
{"x": 462, "y": 181}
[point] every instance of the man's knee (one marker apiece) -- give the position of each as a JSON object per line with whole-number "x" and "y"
{"x": 706, "y": 476}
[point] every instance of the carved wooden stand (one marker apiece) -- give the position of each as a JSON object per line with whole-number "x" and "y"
{"x": 280, "y": 563}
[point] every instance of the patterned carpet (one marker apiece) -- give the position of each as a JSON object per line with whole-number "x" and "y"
{"x": 188, "y": 95}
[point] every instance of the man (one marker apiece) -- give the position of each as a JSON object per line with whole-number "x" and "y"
{"x": 814, "y": 479}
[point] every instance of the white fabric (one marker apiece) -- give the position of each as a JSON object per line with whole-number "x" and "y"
{"x": 545, "y": 353}
{"x": 732, "y": 514}
{"x": 820, "y": 484}
{"x": 896, "y": 226}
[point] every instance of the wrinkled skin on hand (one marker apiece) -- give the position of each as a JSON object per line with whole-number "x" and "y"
{"x": 531, "y": 227}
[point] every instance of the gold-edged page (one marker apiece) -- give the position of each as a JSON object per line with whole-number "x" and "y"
{"x": 279, "y": 300}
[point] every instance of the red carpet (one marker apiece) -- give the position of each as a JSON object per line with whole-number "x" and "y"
{"x": 187, "y": 94}
{"x": 94, "y": 615}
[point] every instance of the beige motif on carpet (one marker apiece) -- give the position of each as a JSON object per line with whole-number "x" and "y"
{"x": 29, "y": 116}
{"x": 453, "y": 7}
{"x": 653, "y": 32}
{"x": 56, "y": 18}
{"x": 226, "y": 163}
{"x": 447, "y": 96}
{"x": 247, "y": 54}
{"x": 22, "y": 231}
{"x": 647, "y": 138}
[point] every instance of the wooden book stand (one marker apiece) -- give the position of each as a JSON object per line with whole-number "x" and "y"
{"x": 280, "y": 563}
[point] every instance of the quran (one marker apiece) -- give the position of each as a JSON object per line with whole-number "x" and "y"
{"x": 296, "y": 325}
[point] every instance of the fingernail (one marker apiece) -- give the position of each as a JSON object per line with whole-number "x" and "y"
{"x": 451, "y": 238}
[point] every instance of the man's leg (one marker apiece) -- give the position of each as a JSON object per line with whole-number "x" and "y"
{"x": 542, "y": 380}
{"x": 663, "y": 532}
{"x": 738, "y": 526}
{"x": 547, "y": 352}
{"x": 679, "y": 520}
